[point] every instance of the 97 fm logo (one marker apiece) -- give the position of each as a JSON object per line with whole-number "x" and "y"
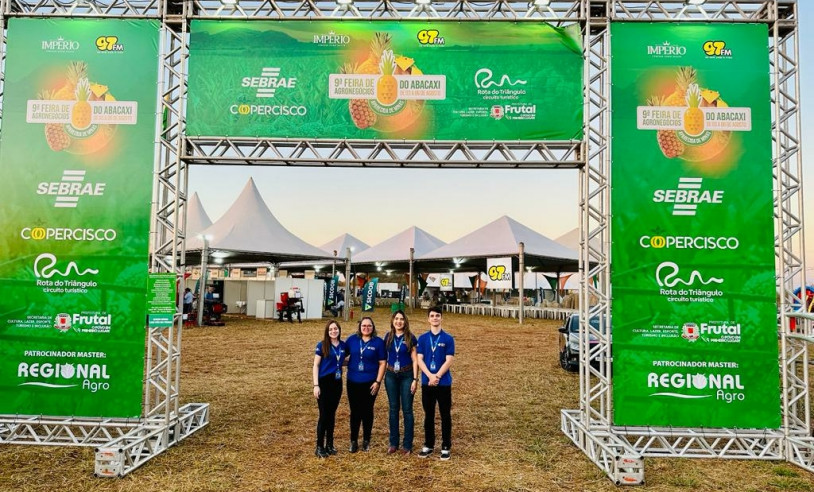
{"x": 446, "y": 282}
{"x": 108, "y": 43}
{"x": 716, "y": 48}
{"x": 498, "y": 272}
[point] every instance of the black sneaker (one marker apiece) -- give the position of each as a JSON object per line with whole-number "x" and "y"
{"x": 331, "y": 450}
{"x": 445, "y": 455}
{"x": 354, "y": 446}
{"x": 425, "y": 451}
{"x": 365, "y": 445}
{"x": 320, "y": 452}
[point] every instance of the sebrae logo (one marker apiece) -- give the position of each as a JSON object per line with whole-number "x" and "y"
{"x": 268, "y": 82}
{"x": 60, "y": 45}
{"x": 666, "y": 50}
{"x": 70, "y": 189}
{"x": 688, "y": 196}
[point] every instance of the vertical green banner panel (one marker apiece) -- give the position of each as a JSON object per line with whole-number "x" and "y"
{"x": 77, "y": 148}
{"x": 694, "y": 308}
{"x": 397, "y": 80}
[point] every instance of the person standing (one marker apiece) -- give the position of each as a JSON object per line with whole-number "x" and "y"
{"x": 401, "y": 380}
{"x": 436, "y": 350}
{"x": 187, "y": 302}
{"x": 329, "y": 357}
{"x": 365, "y": 372}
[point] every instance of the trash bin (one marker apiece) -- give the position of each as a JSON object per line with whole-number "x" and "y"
{"x": 396, "y": 306}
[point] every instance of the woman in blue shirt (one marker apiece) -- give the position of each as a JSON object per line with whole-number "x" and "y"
{"x": 365, "y": 372}
{"x": 401, "y": 379}
{"x": 329, "y": 356}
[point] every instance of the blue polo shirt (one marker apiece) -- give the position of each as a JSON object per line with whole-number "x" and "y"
{"x": 333, "y": 362}
{"x": 398, "y": 351}
{"x": 444, "y": 345}
{"x": 369, "y": 353}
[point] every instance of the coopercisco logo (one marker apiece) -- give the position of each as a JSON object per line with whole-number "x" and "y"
{"x": 67, "y": 234}
{"x": 688, "y": 242}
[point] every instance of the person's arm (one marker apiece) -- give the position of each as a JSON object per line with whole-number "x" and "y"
{"x": 315, "y": 374}
{"x": 374, "y": 387}
{"x": 414, "y": 384}
{"x": 444, "y": 368}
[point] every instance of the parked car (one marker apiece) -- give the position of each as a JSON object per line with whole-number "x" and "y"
{"x": 568, "y": 341}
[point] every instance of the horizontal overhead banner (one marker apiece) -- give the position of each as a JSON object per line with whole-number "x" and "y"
{"x": 373, "y": 80}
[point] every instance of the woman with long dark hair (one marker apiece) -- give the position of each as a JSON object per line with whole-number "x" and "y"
{"x": 365, "y": 372}
{"x": 329, "y": 357}
{"x": 401, "y": 379}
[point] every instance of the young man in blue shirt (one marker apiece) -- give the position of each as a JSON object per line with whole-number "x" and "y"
{"x": 436, "y": 350}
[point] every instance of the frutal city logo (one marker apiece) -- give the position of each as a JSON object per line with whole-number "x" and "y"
{"x": 666, "y": 50}
{"x": 85, "y": 322}
{"x": 268, "y": 82}
{"x": 70, "y": 189}
{"x": 715, "y": 332}
{"x": 63, "y": 322}
{"x": 688, "y": 196}
{"x": 60, "y": 45}
{"x": 689, "y": 332}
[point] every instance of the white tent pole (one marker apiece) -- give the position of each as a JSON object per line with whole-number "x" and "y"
{"x": 333, "y": 268}
{"x": 348, "y": 298}
{"x": 410, "y": 280}
{"x": 202, "y": 286}
{"x": 522, "y": 279}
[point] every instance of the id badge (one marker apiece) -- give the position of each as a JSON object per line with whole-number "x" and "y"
{"x": 362, "y": 366}
{"x": 338, "y": 374}
{"x": 396, "y": 367}
{"x": 432, "y": 365}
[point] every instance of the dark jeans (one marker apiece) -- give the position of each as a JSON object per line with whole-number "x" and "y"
{"x": 398, "y": 394}
{"x": 429, "y": 396}
{"x": 361, "y": 409}
{"x": 330, "y": 392}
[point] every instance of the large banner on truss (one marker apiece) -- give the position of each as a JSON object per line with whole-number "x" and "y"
{"x": 397, "y": 80}
{"x": 77, "y": 151}
{"x": 694, "y": 308}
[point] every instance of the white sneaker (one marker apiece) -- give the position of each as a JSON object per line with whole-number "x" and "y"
{"x": 445, "y": 455}
{"x": 425, "y": 451}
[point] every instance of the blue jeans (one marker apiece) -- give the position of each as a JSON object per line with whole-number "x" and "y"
{"x": 398, "y": 394}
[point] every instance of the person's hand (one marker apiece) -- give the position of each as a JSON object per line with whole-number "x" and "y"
{"x": 374, "y": 388}
{"x": 436, "y": 379}
{"x": 316, "y": 392}
{"x": 413, "y": 386}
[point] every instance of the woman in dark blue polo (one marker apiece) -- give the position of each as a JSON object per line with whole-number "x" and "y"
{"x": 329, "y": 356}
{"x": 401, "y": 379}
{"x": 365, "y": 373}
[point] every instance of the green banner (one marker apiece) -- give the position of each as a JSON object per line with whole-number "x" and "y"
{"x": 694, "y": 307}
{"x": 77, "y": 143}
{"x": 369, "y": 295}
{"x": 162, "y": 301}
{"x": 396, "y": 80}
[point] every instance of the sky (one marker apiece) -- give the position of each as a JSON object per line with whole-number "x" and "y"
{"x": 319, "y": 204}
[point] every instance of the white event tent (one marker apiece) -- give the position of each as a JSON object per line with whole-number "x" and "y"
{"x": 196, "y": 217}
{"x": 395, "y": 251}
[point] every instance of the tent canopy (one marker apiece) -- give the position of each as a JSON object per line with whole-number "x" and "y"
{"x": 395, "y": 251}
{"x": 197, "y": 218}
{"x": 342, "y": 243}
{"x": 249, "y": 232}
{"x": 497, "y": 239}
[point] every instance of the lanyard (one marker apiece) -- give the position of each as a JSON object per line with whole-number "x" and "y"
{"x": 338, "y": 354}
{"x": 398, "y": 343}
{"x": 362, "y": 348}
{"x": 434, "y": 346}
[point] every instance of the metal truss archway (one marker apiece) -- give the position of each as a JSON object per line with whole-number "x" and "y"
{"x": 122, "y": 446}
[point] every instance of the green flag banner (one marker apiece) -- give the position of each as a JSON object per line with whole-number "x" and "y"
{"x": 694, "y": 309}
{"x": 369, "y": 295}
{"x": 374, "y": 80}
{"x": 77, "y": 143}
{"x": 330, "y": 294}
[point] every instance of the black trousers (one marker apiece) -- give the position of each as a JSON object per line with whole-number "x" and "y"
{"x": 361, "y": 409}
{"x": 330, "y": 392}
{"x": 430, "y": 395}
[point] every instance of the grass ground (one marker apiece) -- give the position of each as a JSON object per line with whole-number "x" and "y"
{"x": 507, "y": 394}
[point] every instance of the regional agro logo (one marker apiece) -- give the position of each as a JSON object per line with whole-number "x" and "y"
{"x": 725, "y": 387}
{"x": 387, "y": 91}
{"x": 92, "y": 377}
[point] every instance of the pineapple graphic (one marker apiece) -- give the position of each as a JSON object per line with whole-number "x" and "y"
{"x": 55, "y": 134}
{"x": 693, "y": 116}
{"x": 387, "y": 86}
{"x": 379, "y": 44}
{"x": 669, "y": 143}
{"x": 76, "y": 70}
{"x": 684, "y": 77}
{"x": 81, "y": 111}
{"x": 360, "y": 112}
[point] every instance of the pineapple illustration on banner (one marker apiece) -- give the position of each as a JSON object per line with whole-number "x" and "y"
{"x": 79, "y": 115}
{"x": 386, "y": 92}
{"x": 693, "y": 123}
